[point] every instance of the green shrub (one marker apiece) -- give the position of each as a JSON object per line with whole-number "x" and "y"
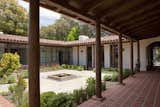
{"x": 25, "y": 74}
{"x": 79, "y": 95}
{"x": 46, "y": 99}
{"x": 114, "y": 76}
{"x": 11, "y": 79}
{"x": 9, "y": 63}
{"x": 126, "y": 73}
{"x": 63, "y": 66}
{"x": 50, "y": 99}
{"x": 12, "y": 88}
{"x": 103, "y": 86}
{"x": 80, "y": 68}
{"x": 91, "y": 86}
{"x": 75, "y": 67}
{"x": 107, "y": 77}
{"x": 4, "y": 93}
{"x": 18, "y": 92}
{"x": 4, "y": 79}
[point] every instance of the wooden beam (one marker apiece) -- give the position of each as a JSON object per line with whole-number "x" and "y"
{"x": 120, "y": 59}
{"x": 134, "y": 14}
{"x": 91, "y": 4}
{"x": 138, "y": 19}
{"x": 131, "y": 56}
{"x": 34, "y": 54}
{"x": 70, "y": 11}
{"x": 98, "y": 60}
{"x": 105, "y": 11}
{"x": 152, "y": 27}
{"x": 143, "y": 23}
{"x": 138, "y": 56}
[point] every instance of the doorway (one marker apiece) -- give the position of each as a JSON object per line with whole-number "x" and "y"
{"x": 89, "y": 57}
{"x": 153, "y": 54}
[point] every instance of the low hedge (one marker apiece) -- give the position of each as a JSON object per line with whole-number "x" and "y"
{"x": 112, "y": 75}
{"x": 51, "y": 99}
{"x": 72, "y": 67}
{"x": 7, "y": 79}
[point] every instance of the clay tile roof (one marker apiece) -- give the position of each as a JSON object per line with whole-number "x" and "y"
{"x": 5, "y": 38}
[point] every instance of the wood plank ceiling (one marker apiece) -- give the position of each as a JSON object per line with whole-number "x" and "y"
{"x": 138, "y": 19}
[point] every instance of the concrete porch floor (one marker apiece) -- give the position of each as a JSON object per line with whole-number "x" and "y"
{"x": 141, "y": 91}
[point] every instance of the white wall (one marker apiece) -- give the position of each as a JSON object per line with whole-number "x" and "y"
{"x": 126, "y": 53}
{"x": 143, "y": 53}
{"x": 143, "y": 50}
{"x": 75, "y": 56}
{"x": 82, "y": 55}
{"x": 107, "y": 56}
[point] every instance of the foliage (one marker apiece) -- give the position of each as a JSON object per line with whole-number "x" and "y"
{"x": 4, "y": 93}
{"x": 46, "y": 99}
{"x": 11, "y": 79}
{"x": 65, "y": 28}
{"x": 4, "y": 80}
{"x": 7, "y": 80}
{"x": 72, "y": 67}
{"x": 18, "y": 95}
{"x": 73, "y": 34}
{"x": 50, "y": 99}
{"x": 13, "y": 18}
{"x": 9, "y": 63}
{"x": 91, "y": 85}
{"x": 126, "y": 73}
{"x": 107, "y": 77}
{"x": 25, "y": 74}
{"x": 50, "y": 68}
{"x": 158, "y": 54}
{"x": 59, "y": 30}
{"x": 112, "y": 74}
{"x": 79, "y": 95}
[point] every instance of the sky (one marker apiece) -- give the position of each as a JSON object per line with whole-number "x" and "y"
{"x": 47, "y": 17}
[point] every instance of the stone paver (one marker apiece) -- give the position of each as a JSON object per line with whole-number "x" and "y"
{"x": 47, "y": 84}
{"x": 141, "y": 91}
{"x": 5, "y": 103}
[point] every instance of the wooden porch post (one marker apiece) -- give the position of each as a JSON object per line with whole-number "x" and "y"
{"x": 34, "y": 54}
{"x": 131, "y": 56}
{"x": 138, "y": 56}
{"x": 98, "y": 60}
{"x": 120, "y": 59}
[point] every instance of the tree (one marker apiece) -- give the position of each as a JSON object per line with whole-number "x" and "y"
{"x": 9, "y": 63}
{"x": 59, "y": 30}
{"x": 13, "y": 18}
{"x": 73, "y": 34}
{"x": 63, "y": 28}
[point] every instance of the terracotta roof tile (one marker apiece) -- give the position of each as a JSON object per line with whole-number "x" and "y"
{"x": 5, "y": 38}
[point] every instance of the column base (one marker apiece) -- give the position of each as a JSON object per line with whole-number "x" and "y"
{"x": 98, "y": 99}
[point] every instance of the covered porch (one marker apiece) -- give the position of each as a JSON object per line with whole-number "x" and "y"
{"x": 141, "y": 91}
{"x": 134, "y": 20}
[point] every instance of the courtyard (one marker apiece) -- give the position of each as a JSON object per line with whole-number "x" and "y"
{"x": 48, "y": 84}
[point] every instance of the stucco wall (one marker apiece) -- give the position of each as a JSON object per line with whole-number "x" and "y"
{"x": 107, "y": 56}
{"x": 82, "y": 55}
{"x": 126, "y": 55}
{"x": 143, "y": 50}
